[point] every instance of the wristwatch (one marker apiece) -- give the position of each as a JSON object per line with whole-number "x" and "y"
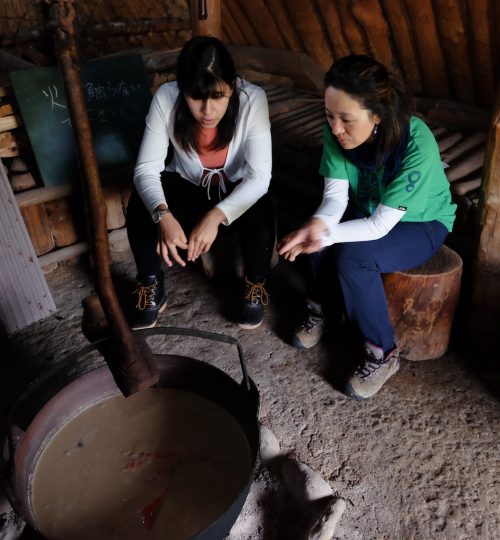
{"x": 159, "y": 214}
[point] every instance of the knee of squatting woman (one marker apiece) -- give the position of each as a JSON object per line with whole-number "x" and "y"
{"x": 386, "y": 207}
{"x": 218, "y": 173}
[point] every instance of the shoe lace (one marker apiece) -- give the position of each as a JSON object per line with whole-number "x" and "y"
{"x": 146, "y": 295}
{"x": 256, "y": 292}
{"x": 311, "y": 323}
{"x": 371, "y": 365}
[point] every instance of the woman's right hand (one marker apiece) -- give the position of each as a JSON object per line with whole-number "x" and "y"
{"x": 305, "y": 240}
{"x": 170, "y": 237}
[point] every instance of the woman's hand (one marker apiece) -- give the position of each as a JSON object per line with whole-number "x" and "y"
{"x": 305, "y": 240}
{"x": 170, "y": 237}
{"x": 204, "y": 234}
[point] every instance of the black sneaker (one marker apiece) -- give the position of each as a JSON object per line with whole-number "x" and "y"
{"x": 252, "y": 305}
{"x": 151, "y": 301}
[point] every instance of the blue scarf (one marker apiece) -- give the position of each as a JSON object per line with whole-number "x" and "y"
{"x": 364, "y": 157}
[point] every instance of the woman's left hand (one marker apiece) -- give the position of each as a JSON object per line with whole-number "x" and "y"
{"x": 205, "y": 232}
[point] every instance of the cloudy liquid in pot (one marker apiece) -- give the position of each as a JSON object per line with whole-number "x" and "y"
{"x": 161, "y": 464}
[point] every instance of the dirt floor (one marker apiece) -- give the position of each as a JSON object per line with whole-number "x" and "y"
{"x": 420, "y": 460}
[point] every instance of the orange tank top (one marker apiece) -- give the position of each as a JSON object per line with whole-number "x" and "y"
{"x": 210, "y": 159}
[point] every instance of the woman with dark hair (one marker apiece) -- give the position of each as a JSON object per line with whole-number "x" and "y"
{"x": 386, "y": 207}
{"x": 215, "y": 129}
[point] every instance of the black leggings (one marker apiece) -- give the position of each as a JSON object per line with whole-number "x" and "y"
{"x": 188, "y": 204}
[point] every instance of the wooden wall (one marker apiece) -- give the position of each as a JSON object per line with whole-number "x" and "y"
{"x": 444, "y": 48}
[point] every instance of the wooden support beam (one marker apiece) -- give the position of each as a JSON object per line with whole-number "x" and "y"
{"x": 206, "y": 18}
{"x": 485, "y": 310}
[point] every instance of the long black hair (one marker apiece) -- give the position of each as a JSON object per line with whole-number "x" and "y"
{"x": 203, "y": 63}
{"x": 378, "y": 91}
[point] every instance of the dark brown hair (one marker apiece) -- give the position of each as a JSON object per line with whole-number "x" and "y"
{"x": 378, "y": 91}
{"x": 203, "y": 63}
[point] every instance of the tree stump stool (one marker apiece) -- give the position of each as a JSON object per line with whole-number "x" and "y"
{"x": 422, "y": 303}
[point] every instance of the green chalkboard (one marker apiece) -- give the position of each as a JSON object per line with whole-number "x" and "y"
{"x": 118, "y": 96}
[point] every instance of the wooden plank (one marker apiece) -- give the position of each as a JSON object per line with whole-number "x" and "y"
{"x": 116, "y": 240}
{"x": 6, "y": 109}
{"x": 310, "y": 30}
{"x": 10, "y": 122}
{"x": 263, "y": 23}
{"x": 115, "y": 218}
{"x": 22, "y": 181}
{"x": 300, "y": 67}
{"x": 449, "y": 141}
{"x": 402, "y": 32}
{"x": 62, "y": 224}
{"x": 452, "y": 31}
{"x": 476, "y": 139}
{"x": 481, "y": 43}
{"x": 38, "y": 226}
{"x": 44, "y": 194}
{"x": 8, "y": 145}
{"x": 466, "y": 165}
{"x": 234, "y": 34}
{"x": 331, "y": 21}
{"x": 240, "y": 18}
{"x": 279, "y": 11}
{"x": 434, "y": 70}
{"x": 369, "y": 15}
{"x": 11, "y": 62}
{"x": 462, "y": 188}
{"x": 353, "y": 32}
{"x": 24, "y": 294}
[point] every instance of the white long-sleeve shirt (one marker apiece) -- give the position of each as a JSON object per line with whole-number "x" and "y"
{"x": 249, "y": 155}
{"x": 332, "y": 208}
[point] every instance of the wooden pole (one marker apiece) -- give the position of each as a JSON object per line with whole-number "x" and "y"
{"x": 206, "y": 18}
{"x": 132, "y": 366}
{"x": 485, "y": 316}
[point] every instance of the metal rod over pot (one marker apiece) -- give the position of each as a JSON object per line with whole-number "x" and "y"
{"x": 130, "y": 359}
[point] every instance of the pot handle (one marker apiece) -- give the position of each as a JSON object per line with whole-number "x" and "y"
{"x": 212, "y": 336}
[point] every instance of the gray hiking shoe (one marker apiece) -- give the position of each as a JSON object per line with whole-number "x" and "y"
{"x": 310, "y": 330}
{"x": 369, "y": 378}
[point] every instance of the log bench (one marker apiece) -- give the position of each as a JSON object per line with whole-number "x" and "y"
{"x": 422, "y": 303}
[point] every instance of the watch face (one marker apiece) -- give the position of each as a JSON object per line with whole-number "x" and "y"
{"x": 158, "y": 214}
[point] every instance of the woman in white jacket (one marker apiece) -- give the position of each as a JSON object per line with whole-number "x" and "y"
{"x": 205, "y": 161}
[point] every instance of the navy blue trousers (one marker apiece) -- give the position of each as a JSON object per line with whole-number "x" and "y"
{"x": 357, "y": 267}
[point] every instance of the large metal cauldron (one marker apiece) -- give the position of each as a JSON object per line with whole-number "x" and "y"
{"x": 40, "y": 413}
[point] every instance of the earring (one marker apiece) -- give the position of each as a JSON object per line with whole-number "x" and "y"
{"x": 375, "y": 130}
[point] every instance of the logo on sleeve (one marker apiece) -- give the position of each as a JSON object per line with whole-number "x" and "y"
{"x": 413, "y": 178}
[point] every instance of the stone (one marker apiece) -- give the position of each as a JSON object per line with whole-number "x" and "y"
{"x": 325, "y": 521}
{"x": 269, "y": 445}
{"x": 304, "y": 484}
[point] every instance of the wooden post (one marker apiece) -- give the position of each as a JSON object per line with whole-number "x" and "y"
{"x": 485, "y": 312}
{"x": 206, "y": 18}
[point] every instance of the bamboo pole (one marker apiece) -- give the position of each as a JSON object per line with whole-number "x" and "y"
{"x": 133, "y": 366}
